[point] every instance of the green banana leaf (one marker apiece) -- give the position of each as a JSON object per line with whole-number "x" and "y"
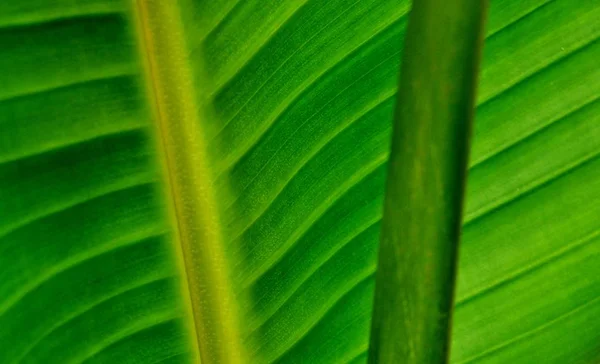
{"x": 193, "y": 178}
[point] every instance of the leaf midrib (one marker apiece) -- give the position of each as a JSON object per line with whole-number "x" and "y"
{"x": 206, "y": 289}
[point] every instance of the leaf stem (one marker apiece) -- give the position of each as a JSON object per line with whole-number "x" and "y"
{"x": 426, "y": 182}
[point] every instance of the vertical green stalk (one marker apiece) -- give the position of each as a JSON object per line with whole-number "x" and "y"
{"x": 178, "y": 115}
{"x": 425, "y": 186}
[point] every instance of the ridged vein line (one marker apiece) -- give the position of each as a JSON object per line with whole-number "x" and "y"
{"x": 70, "y": 262}
{"x": 565, "y": 172}
{"x": 362, "y": 351}
{"x": 74, "y": 315}
{"x": 307, "y": 223}
{"x": 168, "y": 357}
{"x": 318, "y": 317}
{"x": 140, "y": 326}
{"x": 72, "y": 143}
{"x": 313, "y": 270}
{"x": 75, "y": 83}
{"x": 531, "y": 268}
{"x": 16, "y": 23}
{"x": 546, "y": 67}
{"x": 227, "y": 15}
{"x": 533, "y": 185}
{"x": 533, "y": 331}
{"x": 285, "y": 61}
{"x": 261, "y": 44}
{"x": 519, "y": 19}
{"x": 234, "y": 157}
{"x": 311, "y": 156}
{"x": 93, "y": 195}
{"x": 387, "y": 95}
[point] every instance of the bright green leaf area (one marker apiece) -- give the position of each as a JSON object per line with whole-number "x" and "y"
{"x": 300, "y": 97}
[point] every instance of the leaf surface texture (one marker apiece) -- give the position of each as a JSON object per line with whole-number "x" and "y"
{"x": 294, "y": 100}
